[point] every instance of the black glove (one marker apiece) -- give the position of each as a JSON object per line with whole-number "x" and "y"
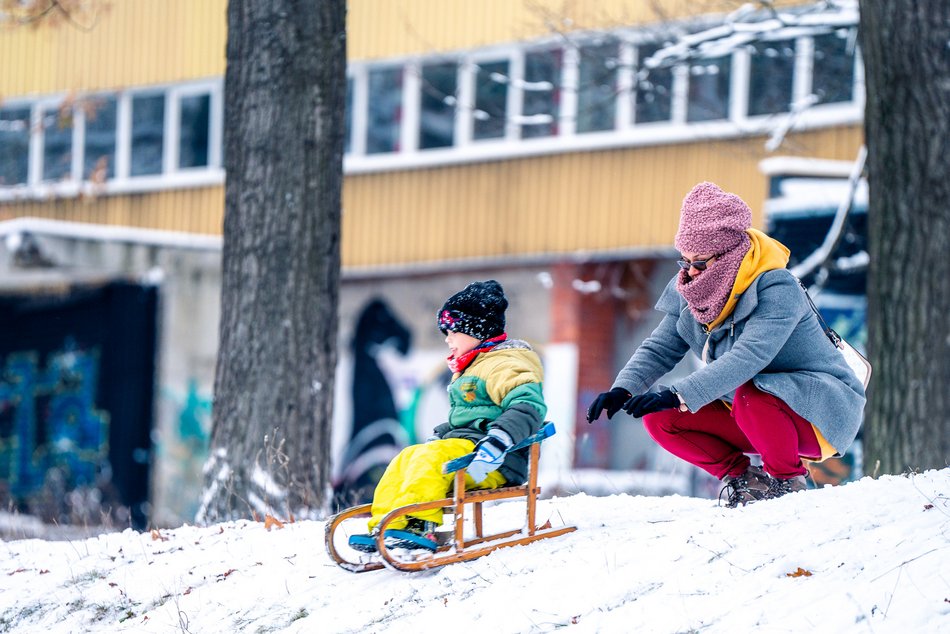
{"x": 612, "y": 401}
{"x": 650, "y": 402}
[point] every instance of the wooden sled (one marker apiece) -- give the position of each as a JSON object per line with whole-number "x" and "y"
{"x": 457, "y": 547}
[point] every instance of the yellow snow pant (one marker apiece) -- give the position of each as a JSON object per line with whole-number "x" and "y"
{"x": 415, "y": 475}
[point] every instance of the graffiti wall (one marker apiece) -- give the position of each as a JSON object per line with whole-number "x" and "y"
{"x": 76, "y": 382}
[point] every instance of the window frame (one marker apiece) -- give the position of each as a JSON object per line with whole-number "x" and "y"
{"x": 76, "y": 182}
{"x": 28, "y": 106}
{"x": 626, "y": 132}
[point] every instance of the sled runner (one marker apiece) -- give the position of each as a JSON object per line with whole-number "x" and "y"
{"x": 456, "y": 547}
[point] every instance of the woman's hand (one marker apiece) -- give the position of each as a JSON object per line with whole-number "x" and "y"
{"x": 611, "y": 401}
{"x": 644, "y": 404}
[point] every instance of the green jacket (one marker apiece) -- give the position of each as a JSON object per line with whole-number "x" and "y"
{"x": 501, "y": 388}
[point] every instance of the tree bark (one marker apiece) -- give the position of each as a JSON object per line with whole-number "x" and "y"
{"x": 907, "y": 129}
{"x": 284, "y": 97}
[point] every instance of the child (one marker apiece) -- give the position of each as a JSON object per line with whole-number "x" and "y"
{"x": 495, "y": 401}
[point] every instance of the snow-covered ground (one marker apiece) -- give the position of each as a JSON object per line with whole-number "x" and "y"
{"x": 870, "y": 556}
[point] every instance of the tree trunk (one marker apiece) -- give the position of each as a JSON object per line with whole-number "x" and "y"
{"x": 284, "y": 97}
{"x": 907, "y": 128}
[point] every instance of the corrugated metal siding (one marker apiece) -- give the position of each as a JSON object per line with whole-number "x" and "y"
{"x": 389, "y": 28}
{"x": 191, "y": 210}
{"x": 133, "y": 43}
{"x": 595, "y": 201}
{"x": 590, "y": 201}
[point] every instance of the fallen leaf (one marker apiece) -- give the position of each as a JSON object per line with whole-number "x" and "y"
{"x": 270, "y": 522}
{"x": 927, "y": 507}
{"x": 157, "y": 536}
{"x": 801, "y": 572}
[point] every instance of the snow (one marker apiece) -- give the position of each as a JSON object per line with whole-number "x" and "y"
{"x": 13, "y": 230}
{"x": 869, "y": 556}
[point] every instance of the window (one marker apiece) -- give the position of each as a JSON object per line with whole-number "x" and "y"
{"x": 597, "y": 86}
{"x": 194, "y": 131}
{"x": 772, "y": 70}
{"x": 491, "y": 100}
{"x": 437, "y": 116}
{"x": 99, "y": 151}
{"x": 452, "y": 103}
{"x": 708, "y": 90}
{"x": 653, "y": 89}
{"x": 57, "y": 125}
{"x": 385, "y": 110}
{"x": 109, "y": 138}
{"x": 14, "y": 145}
{"x": 148, "y": 134}
{"x": 348, "y": 116}
{"x": 833, "y": 68}
{"x": 542, "y": 80}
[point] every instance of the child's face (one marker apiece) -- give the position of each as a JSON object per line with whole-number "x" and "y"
{"x": 459, "y": 343}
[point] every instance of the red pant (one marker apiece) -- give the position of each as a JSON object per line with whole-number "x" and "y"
{"x": 717, "y": 440}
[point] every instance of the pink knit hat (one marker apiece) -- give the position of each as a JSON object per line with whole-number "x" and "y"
{"x": 711, "y": 221}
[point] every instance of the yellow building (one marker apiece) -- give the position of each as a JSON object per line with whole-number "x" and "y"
{"x": 545, "y": 143}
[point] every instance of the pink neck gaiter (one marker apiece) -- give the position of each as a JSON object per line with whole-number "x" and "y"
{"x": 707, "y": 293}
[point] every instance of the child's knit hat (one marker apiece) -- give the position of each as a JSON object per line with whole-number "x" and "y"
{"x": 711, "y": 221}
{"x": 478, "y": 310}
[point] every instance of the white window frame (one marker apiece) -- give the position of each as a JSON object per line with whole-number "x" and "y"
{"x": 511, "y": 101}
{"x": 79, "y": 135}
{"x": 30, "y": 106}
{"x": 414, "y": 103}
{"x": 626, "y": 132}
{"x": 42, "y": 108}
{"x": 359, "y": 75}
{"x": 173, "y": 100}
{"x": 171, "y": 177}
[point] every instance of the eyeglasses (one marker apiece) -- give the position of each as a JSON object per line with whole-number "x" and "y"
{"x": 699, "y": 265}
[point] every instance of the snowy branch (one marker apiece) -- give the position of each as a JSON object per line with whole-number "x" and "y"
{"x": 823, "y": 253}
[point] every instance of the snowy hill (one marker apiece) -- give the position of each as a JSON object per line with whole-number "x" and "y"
{"x": 871, "y": 556}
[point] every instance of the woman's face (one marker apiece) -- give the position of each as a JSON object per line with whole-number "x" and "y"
{"x": 695, "y": 263}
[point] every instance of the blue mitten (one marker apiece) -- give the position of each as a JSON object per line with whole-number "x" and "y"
{"x": 489, "y": 454}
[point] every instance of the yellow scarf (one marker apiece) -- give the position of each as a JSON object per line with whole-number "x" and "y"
{"x": 764, "y": 254}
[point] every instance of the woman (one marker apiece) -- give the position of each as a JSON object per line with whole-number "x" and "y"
{"x": 772, "y": 383}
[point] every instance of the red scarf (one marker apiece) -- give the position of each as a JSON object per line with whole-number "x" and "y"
{"x": 458, "y": 364}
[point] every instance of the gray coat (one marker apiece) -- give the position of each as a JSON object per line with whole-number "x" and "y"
{"x": 772, "y": 338}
